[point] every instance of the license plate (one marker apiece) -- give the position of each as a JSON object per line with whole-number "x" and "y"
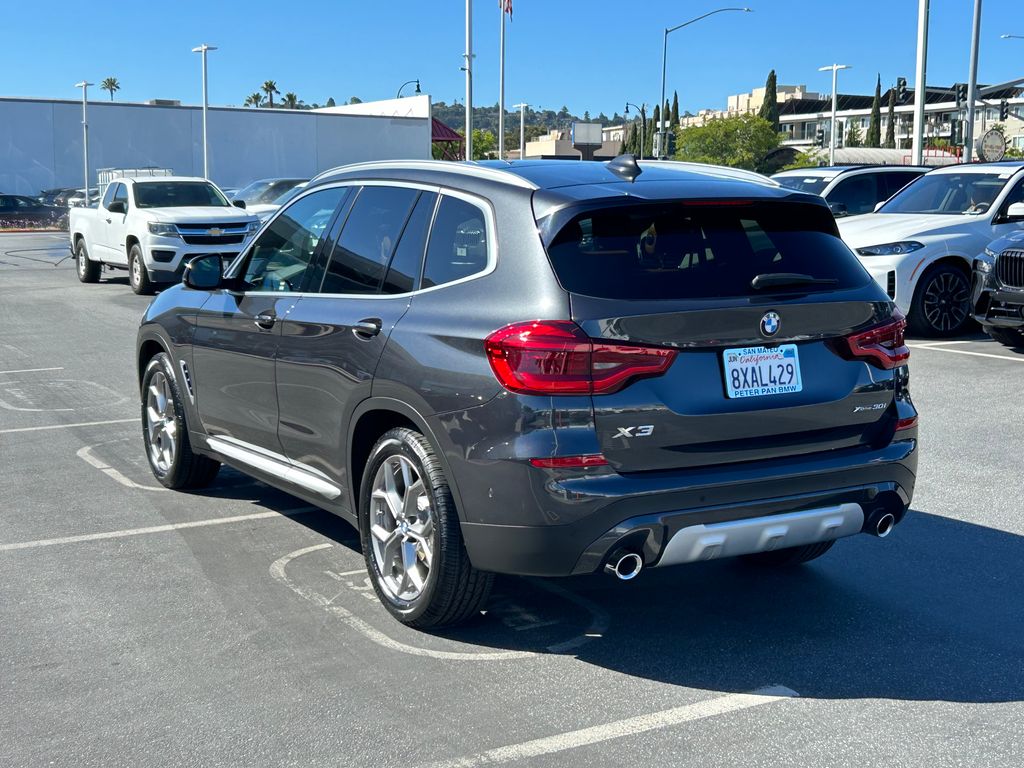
{"x": 759, "y": 371}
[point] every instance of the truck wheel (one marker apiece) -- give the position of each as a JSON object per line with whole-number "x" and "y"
{"x": 138, "y": 275}
{"x": 942, "y": 302}
{"x": 88, "y": 270}
{"x": 790, "y": 555}
{"x": 411, "y": 538}
{"x": 1009, "y": 337}
{"x": 165, "y": 433}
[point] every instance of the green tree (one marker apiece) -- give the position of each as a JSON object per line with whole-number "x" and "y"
{"x": 853, "y": 137}
{"x": 485, "y": 144}
{"x": 330, "y": 102}
{"x": 355, "y": 100}
{"x": 809, "y": 158}
{"x": 874, "y": 137}
{"x": 110, "y": 84}
{"x": 675, "y": 109}
{"x": 890, "y": 126}
{"x": 586, "y": 115}
{"x": 742, "y": 141}
{"x": 254, "y": 99}
{"x": 290, "y": 101}
{"x": 770, "y": 106}
{"x": 269, "y": 87}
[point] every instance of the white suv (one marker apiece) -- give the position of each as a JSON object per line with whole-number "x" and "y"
{"x": 851, "y": 190}
{"x": 921, "y": 243}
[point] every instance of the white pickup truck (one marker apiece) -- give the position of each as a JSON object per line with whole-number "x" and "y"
{"x": 153, "y": 226}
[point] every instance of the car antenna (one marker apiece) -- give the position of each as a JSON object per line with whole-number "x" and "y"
{"x": 625, "y": 167}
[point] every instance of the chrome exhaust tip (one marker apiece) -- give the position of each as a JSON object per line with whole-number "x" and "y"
{"x": 625, "y": 566}
{"x": 884, "y": 525}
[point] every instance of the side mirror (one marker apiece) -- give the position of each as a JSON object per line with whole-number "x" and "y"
{"x": 1015, "y": 212}
{"x": 238, "y": 204}
{"x": 118, "y": 206}
{"x": 838, "y": 209}
{"x": 204, "y": 273}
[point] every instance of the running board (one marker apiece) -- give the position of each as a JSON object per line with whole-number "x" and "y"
{"x": 762, "y": 534}
{"x": 275, "y": 465}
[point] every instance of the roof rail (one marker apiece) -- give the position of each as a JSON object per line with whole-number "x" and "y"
{"x": 712, "y": 170}
{"x": 441, "y": 166}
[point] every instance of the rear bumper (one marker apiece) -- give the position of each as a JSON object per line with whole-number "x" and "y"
{"x": 644, "y": 512}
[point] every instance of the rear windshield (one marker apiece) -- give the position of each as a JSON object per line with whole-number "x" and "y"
{"x": 687, "y": 250}
{"x": 177, "y": 194}
{"x": 813, "y": 184}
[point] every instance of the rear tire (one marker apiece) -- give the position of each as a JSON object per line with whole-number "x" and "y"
{"x": 942, "y": 302}
{"x": 138, "y": 275}
{"x": 790, "y": 556}
{"x": 165, "y": 433}
{"x": 1008, "y": 337}
{"x": 412, "y": 542}
{"x": 88, "y": 270}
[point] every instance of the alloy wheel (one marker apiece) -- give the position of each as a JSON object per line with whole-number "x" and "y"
{"x": 946, "y": 301}
{"x": 83, "y": 261}
{"x": 136, "y": 273}
{"x": 401, "y": 529}
{"x": 160, "y": 424}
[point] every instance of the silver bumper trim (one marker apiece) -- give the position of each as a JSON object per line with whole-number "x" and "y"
{"x": 762, "y": 534}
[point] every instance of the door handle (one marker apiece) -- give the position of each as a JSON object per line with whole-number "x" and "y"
{"x": 367, "y": 328}
{"x": 265, "y": 320}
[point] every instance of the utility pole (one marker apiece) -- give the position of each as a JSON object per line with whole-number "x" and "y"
{"x": 522, "y": 128}
{"x": 832, "y": 127}
{"x": 920, "y": 81}
{"x": 501, "y": 86}
{"x": 84, "y": 85}
{"x": 469, "y": 79}
{"x": 972, "y": 84}
{"x": 202, "y": 49}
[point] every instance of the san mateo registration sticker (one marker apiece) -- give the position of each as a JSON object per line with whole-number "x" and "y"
{"x": 758, "y": 371}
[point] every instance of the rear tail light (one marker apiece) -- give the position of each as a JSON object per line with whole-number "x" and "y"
{"x": 571, "y": 462}
{"x": 906, "y": 423}
{"x": 555, "y": 357}
{"x": 882, "y": 346}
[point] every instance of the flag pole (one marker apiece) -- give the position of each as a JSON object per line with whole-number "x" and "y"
{"x": 501, "y": 84}
{"x": 469, "y": 79}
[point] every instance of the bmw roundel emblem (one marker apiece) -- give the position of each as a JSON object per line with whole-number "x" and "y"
{"x": 770, "y": 324}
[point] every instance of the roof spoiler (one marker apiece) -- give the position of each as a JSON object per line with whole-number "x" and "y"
{"x": 625, "y": 167}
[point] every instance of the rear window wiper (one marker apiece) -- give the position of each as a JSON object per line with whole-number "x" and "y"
{"x": 778, "y": 279}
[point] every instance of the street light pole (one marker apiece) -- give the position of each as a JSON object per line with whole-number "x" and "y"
{"x": 664, "y": 58}
{"x": 522, "y": 128}
{"x": 202, "y": 49}
{"x": 84, "y": 85}
{"x": 920, "y": 92}
{"x": 408, "y": 82}
{"x": 972, "y": 84}
{"x": 643, "y": 118}
{"x": 469, "y": 79}
{"x": 832, "y": 128}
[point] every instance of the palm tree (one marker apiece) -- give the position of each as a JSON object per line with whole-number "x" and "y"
{"x": 270, "y": 88}
{"x": 290, "y": 101}
{"x": 254, "y": 99}
{"x": 111, "y": 84}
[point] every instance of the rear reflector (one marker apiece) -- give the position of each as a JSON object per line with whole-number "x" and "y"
{"x": 906, "y": 423}
{"x": 570, "y": 462}
{"x": 555, "y": 357}
{"x": 882, "y": 346}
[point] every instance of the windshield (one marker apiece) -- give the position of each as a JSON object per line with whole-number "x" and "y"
{"x": 178, "y": 194}
{"x": 683, "y": 251}
{"x": 287, "y": 196}
{"x": 948, "y": 193}
{"x": 812, "y": 184}
{"x": 266, "y": 190}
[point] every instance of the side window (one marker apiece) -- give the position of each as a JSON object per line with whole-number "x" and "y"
{"x": 404, "y": 271}
{"x": 1016, "y": 195}
{"x": 283, "y": 252}
{"x": 121, "y": 195}
{"x": 458, "y": 243}
{"x": 858, "y": 193}
{"x": 108, "y": 195}
{"x": 368, "y": 240}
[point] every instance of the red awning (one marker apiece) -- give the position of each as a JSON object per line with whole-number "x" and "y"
{"x": 441, "y": 132}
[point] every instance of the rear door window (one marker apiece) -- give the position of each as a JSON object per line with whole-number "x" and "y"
{"x": 403, "y": 273}
{"x": 682, "y": 250}
{"x": 458, "y": 243}
{"x": 857, "y": 194}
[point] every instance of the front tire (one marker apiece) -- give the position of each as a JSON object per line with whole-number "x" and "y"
{"x": 165, "y": 433}
{"x": 942, "y": 302}
{"x": 411, "y": 538}
{"x": 88, "y": 270}
{"x": 1008, "y": 337}
{"x": 138, "y": 275}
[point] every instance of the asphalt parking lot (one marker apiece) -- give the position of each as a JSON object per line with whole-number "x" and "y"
{"x": 140, "y": 626}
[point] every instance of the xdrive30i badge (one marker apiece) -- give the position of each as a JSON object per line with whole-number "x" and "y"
{"x": 770, "y": 324}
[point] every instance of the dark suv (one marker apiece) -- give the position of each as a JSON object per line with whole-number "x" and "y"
{"x": 543, "y": 368}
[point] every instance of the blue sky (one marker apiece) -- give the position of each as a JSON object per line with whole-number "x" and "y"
{"x": 589, "y": 56}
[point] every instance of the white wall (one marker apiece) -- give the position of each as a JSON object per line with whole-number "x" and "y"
{"x": 41, "y": 141}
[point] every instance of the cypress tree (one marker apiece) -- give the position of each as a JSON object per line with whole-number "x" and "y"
{"x": 853, "y": 137}
{"x": 890, "y": 128}
{"x": 649, "y": 139}
{"x": 874, "y": 137}
{"x": 675, "y": 109}
{"x": 770, "y": 106}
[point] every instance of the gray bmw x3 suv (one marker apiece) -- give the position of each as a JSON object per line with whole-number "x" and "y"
{"x": 544, "y": 368}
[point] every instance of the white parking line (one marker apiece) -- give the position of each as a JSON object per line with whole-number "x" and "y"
{"x": 85, "y": 454}
{"x": 620, "y": 728}
{"x": 68, "y": 426}
{"x": 934, "y": 348}
{"x": 285, "y": 513}
{"x": 32, "y": 370}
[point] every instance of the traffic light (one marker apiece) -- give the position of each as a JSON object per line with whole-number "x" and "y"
{"x": 1004, "y": 109}
{"x": 671, "y": 143}
{"x": 819, "y": 137}
{"x": 956, "y": 132}
{"x": 901, "y": 89}
{"x": 960, "y": 89}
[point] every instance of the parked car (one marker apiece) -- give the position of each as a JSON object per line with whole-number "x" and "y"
{"x": 921, "y": 243}
{"x": 51, "y": 196}
{"x": 265, "y": 210}
{"x": 265, "y": 191}
{"x": 77, "y": 200}
{"x": 65, "y": 195}
{"x": 998, "y": 294}
{"x": 851, "y": 190}
{"x": 541, "y": 368}
{"x": 152, "y": 226}
{"x": 24, "y": 211}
